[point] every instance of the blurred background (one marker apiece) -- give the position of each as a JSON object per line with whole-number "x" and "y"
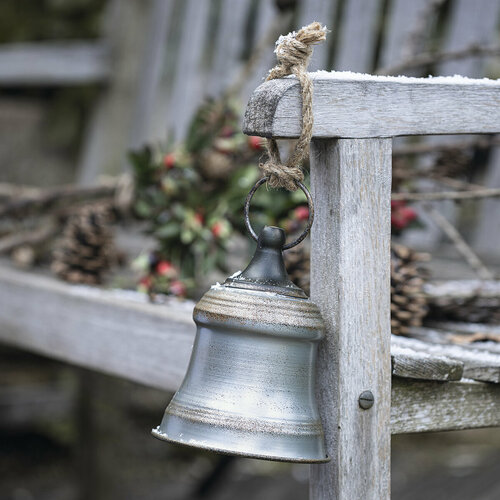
{"x": 123, "y": 166}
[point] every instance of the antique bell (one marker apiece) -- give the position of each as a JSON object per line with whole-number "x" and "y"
{"x": 249, "y": 387}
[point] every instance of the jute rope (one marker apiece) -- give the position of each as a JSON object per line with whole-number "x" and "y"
{"x": 293, "y": 52}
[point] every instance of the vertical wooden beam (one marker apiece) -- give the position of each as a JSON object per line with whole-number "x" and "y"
{"x": 351, "y": 183}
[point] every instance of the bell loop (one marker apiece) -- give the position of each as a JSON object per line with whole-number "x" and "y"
{"x": 310, "y": 220}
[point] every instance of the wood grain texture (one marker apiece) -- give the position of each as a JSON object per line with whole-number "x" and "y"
{"x": 439, "y": 406}
{"x": 351, "y": 182}
{"x": 410, "y": 363}
{"x": 97, "y": 329}
{"x": 478, "y": 364}
{"x": 361, "y": 108}
{"x": 54, "y": 63}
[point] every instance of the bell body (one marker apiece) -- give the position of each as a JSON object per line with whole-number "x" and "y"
{"x": 249, "y": 388}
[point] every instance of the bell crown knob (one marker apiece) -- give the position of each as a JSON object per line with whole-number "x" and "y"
{"x": 266, "y": 271}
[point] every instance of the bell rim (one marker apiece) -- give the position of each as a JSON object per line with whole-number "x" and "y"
{"x": 272, "y": 458}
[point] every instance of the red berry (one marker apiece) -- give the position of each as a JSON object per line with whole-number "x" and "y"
{"x": 255, "y": 142}
{"x": 227, "y": 131}
{"x": 217, "y": 229}
{"x": 397, "y": 203}
{"x": 169, "y": 161}
{"x": 178, "y": 288}
{"x": 164, "y": 268}
{"x": 397, "y": 222}
{"x": 301, "y": 213}
{"x": 145, "y": 282}
{"x": 408, "y": 214}
{"x": 199, "y": 219}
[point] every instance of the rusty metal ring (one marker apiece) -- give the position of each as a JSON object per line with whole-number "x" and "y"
{"x": 309, "y": 220}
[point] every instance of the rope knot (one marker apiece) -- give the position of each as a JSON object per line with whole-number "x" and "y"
{"x": 296, "y": 48}
{"x": 293, "y": 52}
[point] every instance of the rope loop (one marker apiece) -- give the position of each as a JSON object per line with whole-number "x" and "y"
{"x": 293, "y": 52}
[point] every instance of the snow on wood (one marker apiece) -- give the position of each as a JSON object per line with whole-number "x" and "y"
{"x": 410, "y": 363}
{"x": 354, "y": 105}
{"x": 472, "y": 336}
{"x": 113, "y": 332}
{"x": 352, "y": 76}
{"x": 478, "y": 365}
{"x": 462, "y": 289}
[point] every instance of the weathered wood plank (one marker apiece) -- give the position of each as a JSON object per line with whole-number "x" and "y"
{"x": 54, "y": 63}
{"x": 356, "y": 47}
{"x": 409, "y": 363}
{"x": 443, "y": 406}
{"x": 188, "y": 86}
{"x": 404, "y": 17}
{"x": 449, "y": 333}
{"x": 153, "y": 59}
{"x": 457, "y": 327}
{"x": 487, "y": 237}
{"x": 106, "y": 139}
{"x": 478, "y": 365}
{"x": 357, "y": 106}
{"x": 462, "y": 289}
{"x": 470, "y": 23}
{"x": 96, "y": 329}
{"x": 322, "y": 11}
{"x": 113, "y": 332}
{"x": 228, "y": 45}
{"x": 351, "y": 182}
{"x": 267, "y": 16}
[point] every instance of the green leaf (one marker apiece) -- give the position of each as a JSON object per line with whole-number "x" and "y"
{"x": 168, "y": 230}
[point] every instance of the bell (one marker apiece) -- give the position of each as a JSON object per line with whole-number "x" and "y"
{"x": 249, "y": 387}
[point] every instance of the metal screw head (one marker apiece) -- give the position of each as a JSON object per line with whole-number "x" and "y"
{"x": 366, "y": 400}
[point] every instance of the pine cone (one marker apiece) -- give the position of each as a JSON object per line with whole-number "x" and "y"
{"x": 475, "y": 309}
{"x": 215, "y": 166}
{"x": 408, "y": 302}
{"x": 402, "y": 172}
{"x": 86, "y": 250}
{"x": 453, "y": 163}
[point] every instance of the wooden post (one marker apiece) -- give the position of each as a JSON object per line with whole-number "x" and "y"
{"x": 351, "y": 183}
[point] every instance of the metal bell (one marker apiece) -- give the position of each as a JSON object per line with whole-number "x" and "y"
{"x": 249, "y": 388}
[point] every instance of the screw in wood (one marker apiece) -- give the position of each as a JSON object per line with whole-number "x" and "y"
{"x": 366, "y": 400}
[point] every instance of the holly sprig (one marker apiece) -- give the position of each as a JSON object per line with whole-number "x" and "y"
{"x": 192, "y": 194}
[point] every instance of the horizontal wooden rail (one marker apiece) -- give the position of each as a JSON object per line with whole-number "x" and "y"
{"x": 421, "y": 406}
{"x": 351, "y": 105}
{"x": 120, "y": 333}
{"x": 111, "y": 332}
{"x": 54, "y": 63}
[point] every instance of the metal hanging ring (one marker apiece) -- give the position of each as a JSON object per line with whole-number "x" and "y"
{"x": 309, "y": 220}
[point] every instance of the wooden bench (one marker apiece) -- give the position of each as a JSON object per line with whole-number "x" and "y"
{"x": 433, "y": 388}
